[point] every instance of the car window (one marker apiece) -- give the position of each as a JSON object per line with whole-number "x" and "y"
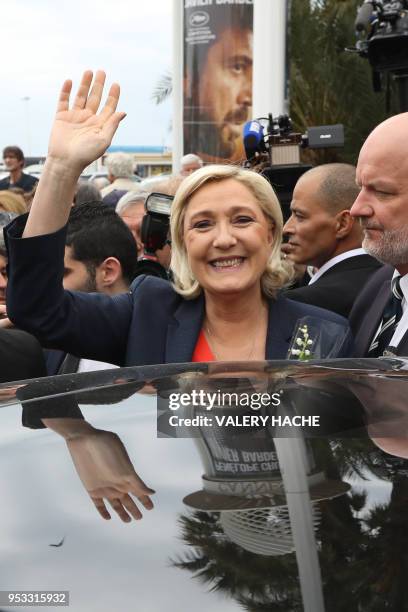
{"x": 253, "y": 502}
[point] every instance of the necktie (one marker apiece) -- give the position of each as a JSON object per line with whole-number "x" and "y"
{"x": 391, "y": 316}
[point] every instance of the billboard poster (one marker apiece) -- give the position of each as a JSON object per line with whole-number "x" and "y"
{"x": 217, "y": 77}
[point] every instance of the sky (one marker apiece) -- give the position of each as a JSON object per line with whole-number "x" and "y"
{"x": 45, "y": 42}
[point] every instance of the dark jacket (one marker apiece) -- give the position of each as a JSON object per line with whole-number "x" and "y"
{"x": 21, "y": 356}
{"x": 368, "y": 310}
{"x": 339, "y": 286}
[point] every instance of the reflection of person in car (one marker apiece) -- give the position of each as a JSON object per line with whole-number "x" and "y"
{"x": 104, "y": 468}
{"x": 218, "y": 89}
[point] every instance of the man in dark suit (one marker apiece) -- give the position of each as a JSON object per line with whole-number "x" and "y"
{"x": 321, "y": 233}
{"x": 379, "y": 317}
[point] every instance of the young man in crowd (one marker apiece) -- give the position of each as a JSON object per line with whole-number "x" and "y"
{"x": 13, "y": 158}
{"x": 100, "y": 256}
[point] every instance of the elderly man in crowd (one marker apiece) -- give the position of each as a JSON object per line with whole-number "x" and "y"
{"x": 379, "y": 317}
{"x": 131, "y": 209}
{"x": 190, "y": 163}
{"x": 322, "y": 233}
{"x": 121, "y": 176}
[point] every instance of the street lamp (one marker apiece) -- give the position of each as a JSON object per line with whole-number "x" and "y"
{"x": 27, "y": 99}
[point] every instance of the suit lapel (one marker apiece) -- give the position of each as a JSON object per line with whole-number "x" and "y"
{"x": 280, "y": 329}
{"x": 183, "y": 331}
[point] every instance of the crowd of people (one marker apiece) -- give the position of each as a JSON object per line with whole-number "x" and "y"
{"x": 227, "y": 257}
{"x": 71, "y": 298}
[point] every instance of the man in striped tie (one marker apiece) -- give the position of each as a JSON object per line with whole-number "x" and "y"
{"x": 379, "y": 318}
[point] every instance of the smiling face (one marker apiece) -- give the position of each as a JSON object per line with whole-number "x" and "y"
{"x": 227, "y": 237}
{"x": 382, "y": 205}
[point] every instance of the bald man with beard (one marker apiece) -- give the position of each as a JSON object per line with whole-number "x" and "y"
{"x": 382, "y": 209}
{"x": 321, "y": 233}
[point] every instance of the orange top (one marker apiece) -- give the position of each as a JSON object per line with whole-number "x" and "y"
{"x": 202, "y": 351}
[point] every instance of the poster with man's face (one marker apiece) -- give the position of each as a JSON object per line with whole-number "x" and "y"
{"x": 217, "y": 77}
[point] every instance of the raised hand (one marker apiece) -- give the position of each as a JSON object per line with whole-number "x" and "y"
{"x": 80, "y": 134}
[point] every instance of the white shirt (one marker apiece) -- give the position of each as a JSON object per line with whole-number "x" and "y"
{"x": 335, "y": 260}
{"x": 89, "y": 365}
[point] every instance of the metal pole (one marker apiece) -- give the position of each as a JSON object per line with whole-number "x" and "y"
{"x": 292, "y": 461}
{"x": 177, "y": 75}
{"x": 269, "y": 57}
{"x": 26, "y": 101}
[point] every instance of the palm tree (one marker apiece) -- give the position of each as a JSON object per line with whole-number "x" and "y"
{"x": 163, "y": 88}
{"x": 329, "y": 85}
{"x": 384, "y": 584}
{"x": 256, "y": 582}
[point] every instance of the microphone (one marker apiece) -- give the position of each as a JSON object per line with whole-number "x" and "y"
{"x": 364, "y": 15}
{"x": 253, "y": 138}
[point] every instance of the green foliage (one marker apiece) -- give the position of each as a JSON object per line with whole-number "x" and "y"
{"x": 327, "y": 84}
{"x": 163, "y": 88}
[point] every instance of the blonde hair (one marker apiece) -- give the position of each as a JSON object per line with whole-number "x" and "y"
{"x": 12, "y": 202}
{"x": 277, "y": 272}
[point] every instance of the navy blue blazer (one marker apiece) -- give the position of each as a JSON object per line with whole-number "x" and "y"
{"x": 150, "y": 325}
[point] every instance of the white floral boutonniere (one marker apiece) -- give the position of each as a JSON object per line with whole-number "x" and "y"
{"x": 317, "y": 338}
{"x": 301, "y": 345}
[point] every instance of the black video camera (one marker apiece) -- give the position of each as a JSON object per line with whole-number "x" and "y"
{"x": 385, "y": 25}
{"x": 272, "y": 144}
{"x": 154, "y": 235}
